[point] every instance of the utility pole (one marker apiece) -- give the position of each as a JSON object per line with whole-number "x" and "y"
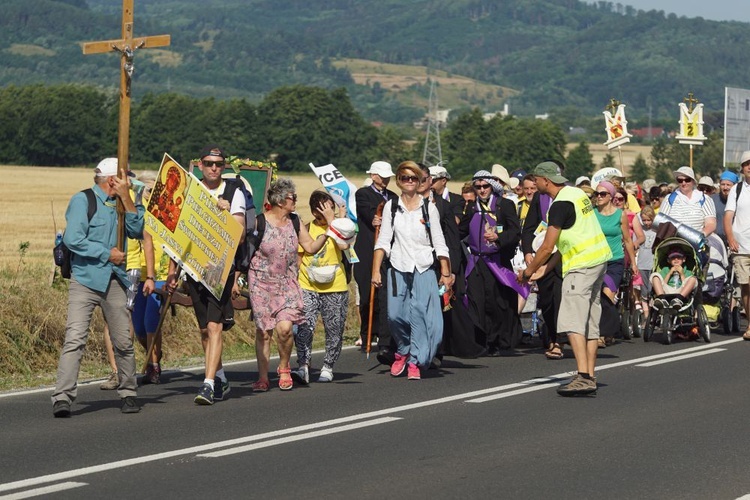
{"x": 433, "y": 155}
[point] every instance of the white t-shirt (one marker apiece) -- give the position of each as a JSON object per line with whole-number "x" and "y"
{"x": 691, "y": 211}
{"x": 238, "y": 200}
{"x": 741, "y": 209}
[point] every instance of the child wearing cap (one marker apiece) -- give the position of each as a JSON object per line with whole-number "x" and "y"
{"x": 673, "y": 280}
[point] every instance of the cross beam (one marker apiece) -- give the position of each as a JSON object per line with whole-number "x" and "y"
{"x": 126, "y": 47}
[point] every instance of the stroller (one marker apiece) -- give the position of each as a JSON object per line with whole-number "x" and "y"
{"x": 718, "y": 288}
{"x": 690, "y": 321}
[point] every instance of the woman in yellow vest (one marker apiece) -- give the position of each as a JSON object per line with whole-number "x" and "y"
{"x": 573, "y": 227}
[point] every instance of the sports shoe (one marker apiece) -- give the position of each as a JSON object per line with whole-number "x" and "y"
{"x": 61, "y": 409}
{"x": 399, "y": 365}
{"x": 326, "y": 374}
{"x": 112, "y": 382}
{"x": 130, "y": 405}
{"x": 301, "y": 374}
{"x": 205, "y": 395}
{"x": 578, "y": 386}
{"x": 221, "y": 389}
{"x": 677, "y": 303}
{"x": 413, "y": 372}
{"x": 153, "y": 374}
{"x": 660, "y": 303}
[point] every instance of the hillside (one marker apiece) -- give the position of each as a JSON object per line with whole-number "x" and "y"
{"x": 537, "y": 55}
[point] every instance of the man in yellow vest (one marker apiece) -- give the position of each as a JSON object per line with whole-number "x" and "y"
{"x": 573, "y": 227}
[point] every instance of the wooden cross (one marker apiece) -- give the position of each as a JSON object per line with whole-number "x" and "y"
{"x": 613, "y": 105}
{"x": 126, "y": 47}
{"x": 690, "y": 100}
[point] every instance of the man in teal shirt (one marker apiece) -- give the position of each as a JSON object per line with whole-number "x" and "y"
{"x": 98, "y": 278}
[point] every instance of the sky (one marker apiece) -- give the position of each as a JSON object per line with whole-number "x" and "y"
{"x": 716, "y": 10}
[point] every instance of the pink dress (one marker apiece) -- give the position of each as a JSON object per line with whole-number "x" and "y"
{"x": 275, "y": 294}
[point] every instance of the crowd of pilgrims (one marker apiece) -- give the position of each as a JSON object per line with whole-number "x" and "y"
{"x": 436, "y": 270}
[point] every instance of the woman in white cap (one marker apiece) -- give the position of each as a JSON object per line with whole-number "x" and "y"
{"x": 325, "y": 291}
{"x": 688, "y": 205}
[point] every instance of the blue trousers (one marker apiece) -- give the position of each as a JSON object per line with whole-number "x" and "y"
{"x": 415, "y": 315}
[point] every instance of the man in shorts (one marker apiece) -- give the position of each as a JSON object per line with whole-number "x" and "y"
{"x": 214, "y": 316}
{"x": 574, "y": 229}
{"x": 737, "y": 229}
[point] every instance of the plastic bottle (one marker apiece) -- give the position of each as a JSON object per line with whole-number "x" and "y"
{"x": 58, "y": 238}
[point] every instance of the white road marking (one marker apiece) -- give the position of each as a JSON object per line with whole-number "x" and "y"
{"x": 43, "y": 491}
{"x": 524, "y": 387}
{"x": 298, "y": 437}
{"x": 680, "y": 358}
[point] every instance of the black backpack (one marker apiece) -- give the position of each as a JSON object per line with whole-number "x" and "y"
{"x": 62, "y": 253}
{"x": 244, "y": 251}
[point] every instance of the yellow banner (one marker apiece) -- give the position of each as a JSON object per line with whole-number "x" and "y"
{"x": 183, "y": 214}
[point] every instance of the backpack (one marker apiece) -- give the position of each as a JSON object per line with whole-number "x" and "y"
{"x": 673, "y": 195}
{"x": 61, "y": 252}
{"x": 244, "y": 251}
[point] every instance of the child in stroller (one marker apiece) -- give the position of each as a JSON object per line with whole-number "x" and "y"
{"x": 673, "y": 281}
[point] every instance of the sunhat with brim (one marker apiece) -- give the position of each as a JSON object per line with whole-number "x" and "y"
{"x": 706, "y": 181}
{"x": 685, "y": 171}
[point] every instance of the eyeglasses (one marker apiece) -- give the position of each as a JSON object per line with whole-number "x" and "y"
{"x": 425, "y": 179}
{"x": 684, "y": 180}
{"x": 482, "y": 186}
{"x": 292, "y": 197}
{"x": 409, "y": 178}
{"x": 210, "y": 164}
{"x": 601, "y": 194}
{"x": 705, "y": 188}
{"x": 618, "y": 198}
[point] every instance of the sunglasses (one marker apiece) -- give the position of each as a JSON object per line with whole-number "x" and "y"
{"x": 684, "y": 180}
{"x": 601, "y": 194}
{"x": 482, "y": 186}
{"x": 705, "y": 188}
{"x": 292, "y": 197}
{"x": 210, "y": 164}
{"x": 409, "y": 178}
{"x": 618, "y": 198}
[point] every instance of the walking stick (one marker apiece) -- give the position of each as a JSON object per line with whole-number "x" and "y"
{"x": 157, "y": 333}
{"x": 379, "y": 213}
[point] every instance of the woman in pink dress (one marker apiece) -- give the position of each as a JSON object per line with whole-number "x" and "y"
{"x": 275, "y": 294}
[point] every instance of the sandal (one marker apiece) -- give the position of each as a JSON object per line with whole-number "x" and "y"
{"x": 554, "y": 352}
{"x": 746, "y": 335}
{"x": 602, "y": 344}
{"x": 260, "y": 386}
{"x": 285, "y": 379}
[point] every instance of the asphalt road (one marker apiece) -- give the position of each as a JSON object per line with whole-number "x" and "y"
{"x": 667, "y": 422}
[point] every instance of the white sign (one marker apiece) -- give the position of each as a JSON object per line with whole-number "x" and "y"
{"x": 736, "y": 124}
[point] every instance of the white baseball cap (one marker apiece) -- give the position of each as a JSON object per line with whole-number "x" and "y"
{"x": 382, "y": 168}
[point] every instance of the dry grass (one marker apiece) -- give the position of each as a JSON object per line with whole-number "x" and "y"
{"x": 33, "y": 312}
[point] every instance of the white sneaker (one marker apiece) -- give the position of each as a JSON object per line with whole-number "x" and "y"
{"x": 301, "y": 375}
{"x": 326, "y": 374}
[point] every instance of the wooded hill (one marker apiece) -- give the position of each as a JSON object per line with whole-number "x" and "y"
{"x": 538, "y": 54}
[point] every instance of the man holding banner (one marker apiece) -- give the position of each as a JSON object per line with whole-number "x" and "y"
{"x": 213, "y": 315}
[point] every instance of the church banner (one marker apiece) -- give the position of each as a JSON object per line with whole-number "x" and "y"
{"x": 183, "y": 214}
{"x": 617, "y": 127}
{"x": 338, "y": 187}
{"x": 691, "y": 124}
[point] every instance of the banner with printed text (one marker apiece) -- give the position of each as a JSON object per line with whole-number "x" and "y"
{"x": 199, "y": 236}
{"x": 338, "y": 187}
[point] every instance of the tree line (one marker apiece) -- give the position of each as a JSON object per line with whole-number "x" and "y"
{"x": 73, "y": 125}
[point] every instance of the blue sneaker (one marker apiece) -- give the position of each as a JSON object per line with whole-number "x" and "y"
{"x": 221, "y": 389}
{"x": 205, "y": 395}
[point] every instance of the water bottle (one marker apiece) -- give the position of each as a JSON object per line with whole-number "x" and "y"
{"x": 58, "y": 238}
{"x": 57, "y": 251}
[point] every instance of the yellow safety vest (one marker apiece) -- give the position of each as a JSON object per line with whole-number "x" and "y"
{"x": 584, "y": 244}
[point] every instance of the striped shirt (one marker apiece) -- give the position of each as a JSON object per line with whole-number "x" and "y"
{"x": 692, "y": 212}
